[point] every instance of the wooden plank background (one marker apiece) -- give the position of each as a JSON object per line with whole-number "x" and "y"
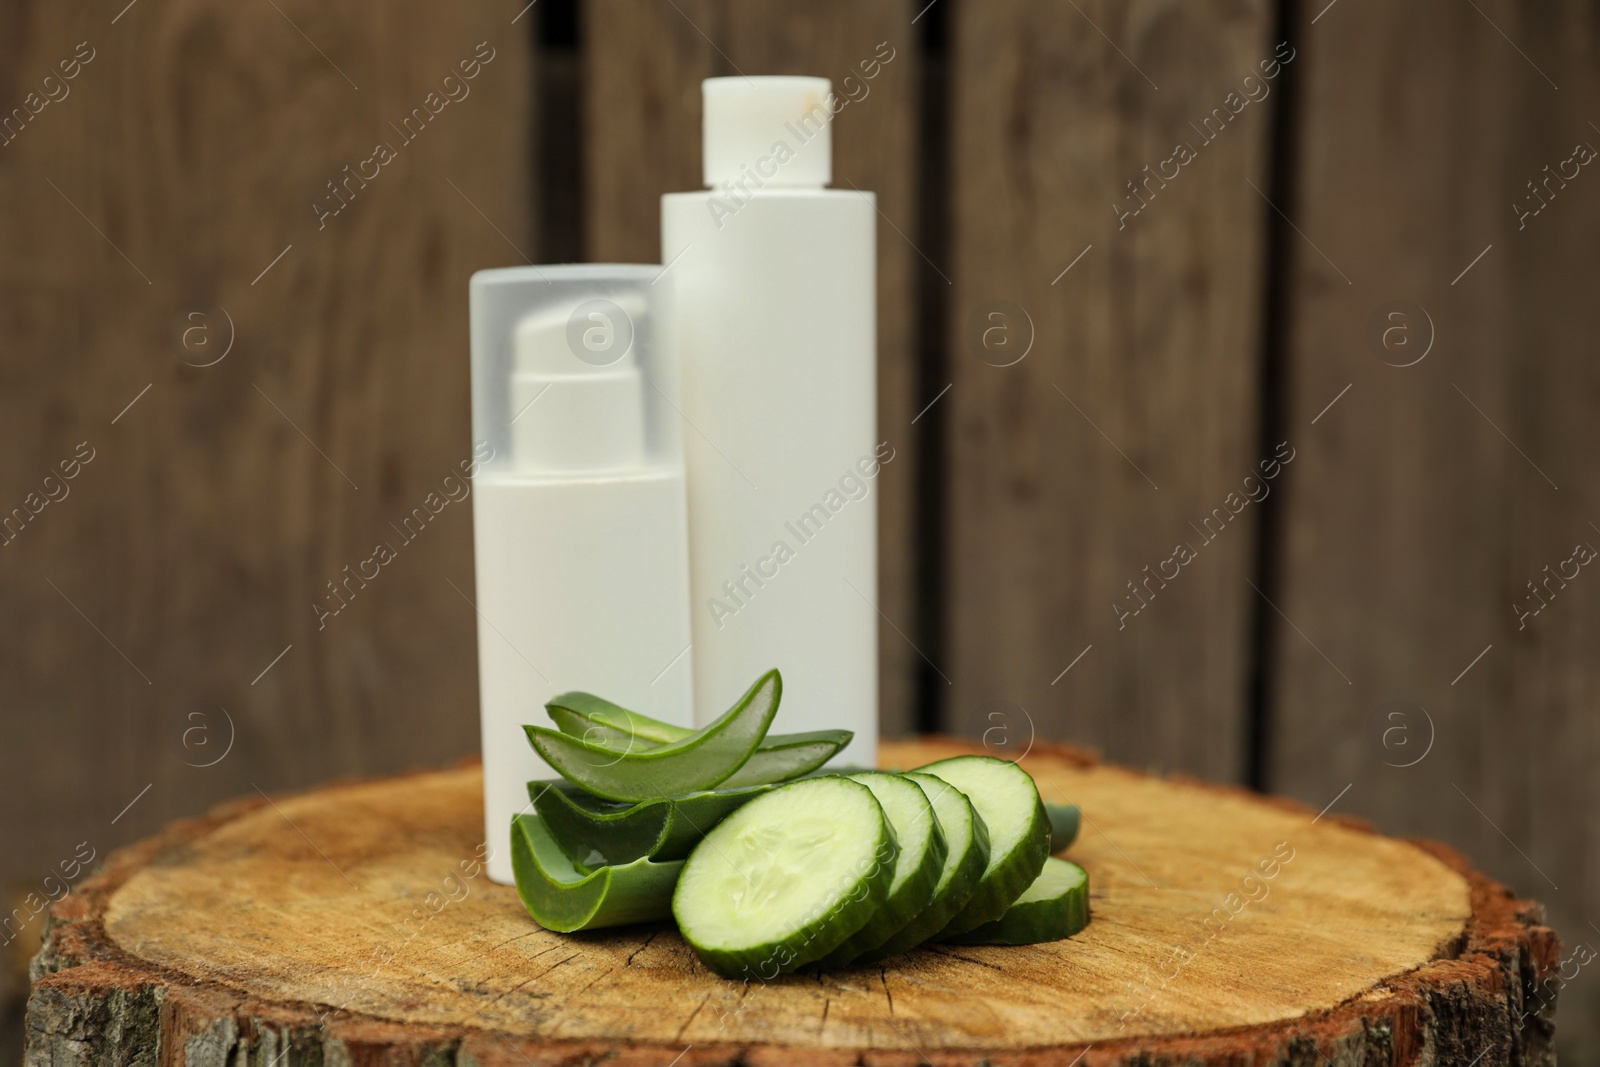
{"x": 1428, "y": 496}
{"x": 1319, "y": 642}
{"x": 142, "y": 609}
{"x": 1134, "y": 413}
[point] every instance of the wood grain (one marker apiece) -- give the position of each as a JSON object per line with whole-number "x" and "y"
{"x": 1426, "y": 498}
{"x": 644, "y": 65}
{"x": 359, "y": 914}
{"x": 1134, "y": 414}
{"x": 191, "y": 549}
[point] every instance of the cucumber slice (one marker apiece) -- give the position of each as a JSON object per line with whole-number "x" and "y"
{"x": 598, "y": 833}
{"x": 786, "y": 878}
{"x": 1064, "y": 821}
{"x": 966, "y": 858}
{"x": 778, "y": 758}
{"x": 1019, "y": 833}
{"x": 690, "y": 765}
{"x": 916, "y": 868}
{"x": 561, "y": 897}
{"x": 1054, "y": 907}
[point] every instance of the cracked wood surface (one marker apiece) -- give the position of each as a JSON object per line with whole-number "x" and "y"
{"x": 355, "y": 922}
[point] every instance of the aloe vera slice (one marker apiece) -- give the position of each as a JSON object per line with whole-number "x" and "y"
{"x": 1019, "y": 833}
{"x": 561, "y": 897}
{"x": 597, "y": 719}
{"x": 1064, "y": 822}
{"x": 1054, "y": 907}
{"x": 786, "y": 878}
{"x": 916, "y": 868}
{"x": 691, "y": 765}
{"x": 781, "y": 757}
{"x": 966, "y": 858}
{"x": 597, "y": 833}
{"x": 778, "y": 758}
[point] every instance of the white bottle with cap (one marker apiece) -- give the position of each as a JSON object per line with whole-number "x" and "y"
{"x": 774, "y": 305}
{"x": 579, "y": 517}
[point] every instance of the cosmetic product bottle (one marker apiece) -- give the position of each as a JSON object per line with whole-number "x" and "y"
{"x": 774, "y": 311}
{"x": 579, "y": 522}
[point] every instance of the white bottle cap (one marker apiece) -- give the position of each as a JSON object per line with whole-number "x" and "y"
{"x": 567, "y": 377}
{"x": 768, "y": 131}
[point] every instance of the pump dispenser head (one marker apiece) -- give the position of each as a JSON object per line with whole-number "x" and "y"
{"x": 567, "y": 378}
{"x": 767, "y": 130}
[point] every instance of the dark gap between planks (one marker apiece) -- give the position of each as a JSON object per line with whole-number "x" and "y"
{"x": 558, "y": 141}
{"x": 1277, "y": 262}
{"x": 932, "y": 338}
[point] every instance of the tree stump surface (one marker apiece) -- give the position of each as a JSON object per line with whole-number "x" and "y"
{"x": 355, "y": 924}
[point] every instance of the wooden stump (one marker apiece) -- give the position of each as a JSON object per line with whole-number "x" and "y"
{"x": 355, "y": 924}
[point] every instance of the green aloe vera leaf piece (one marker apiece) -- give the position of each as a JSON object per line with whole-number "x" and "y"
{"x": 691, "y": 765}
{"x": 597, "y": 719}
{"x": 561, "y": 897}
{"x": 778, "y": 758}
{"x": 781, "y": 757}
{"x": 1054, "y": 907}
{"x": 598, "y": 833}
{"x": 1064, "y": 822}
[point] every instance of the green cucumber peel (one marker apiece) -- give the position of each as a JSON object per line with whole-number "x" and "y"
{"x": 786, "y": 879}
{"x": 691, "y": 764}
{"x": 778, "y": 758}
{"x": 561, "y": 897}
{"x": 1064, "y": 822}
{"x": 1054, "y": 907}
{"x": 916, "y": 870}
{"x": 966, "y": 858}
{"x": 598, "y": 833}
{"x": 1019, "y": 833}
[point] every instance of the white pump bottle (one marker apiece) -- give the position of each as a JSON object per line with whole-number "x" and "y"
{"x": 578, "y": 514}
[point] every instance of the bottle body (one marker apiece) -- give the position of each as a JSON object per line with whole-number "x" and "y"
{"x": 579, "y": 516}
{"x": 774, "y": 327}
{"x": 580, "y": 585}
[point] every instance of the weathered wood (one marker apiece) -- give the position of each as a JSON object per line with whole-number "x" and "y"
{"x": 1419, "y": 508}
{"x": 205, "y": 528}
{"x": 644, "y": 64}
{"x": 1142, "y": 374}
{"x": 356, "y": 922}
